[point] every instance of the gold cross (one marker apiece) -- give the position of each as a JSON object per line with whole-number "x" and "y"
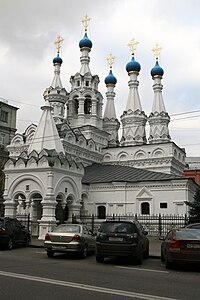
{"x": 133, "y": 43}
{"x": 110, "y": 60}
{"x": 85, "y": 22}
{"x": 58, "y": 43}
{"x": 157, "y": 50}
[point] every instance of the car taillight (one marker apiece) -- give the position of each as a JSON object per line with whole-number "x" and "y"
{"x": 76, "y": 238}
{"x": 3, "y": 231}
{"x": 174, "y": 246}
{"x": 47, "y": 237}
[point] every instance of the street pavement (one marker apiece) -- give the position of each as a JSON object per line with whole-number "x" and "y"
{"x": 154, "y": 245}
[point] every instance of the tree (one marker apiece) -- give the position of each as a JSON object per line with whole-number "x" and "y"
{"x": 194, "y": 212}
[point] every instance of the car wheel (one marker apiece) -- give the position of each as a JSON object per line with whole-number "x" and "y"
{"x": 50, "y": 253}
{"x": 139, "y": 258}
{"x": 10, "y": 244}
{"x": 146, "y": 253}
{"x": 99, "y": 258}
{"x": 168, "y": 264}
{"x": 84, "y": 252}
{"x": 27, "y": 242}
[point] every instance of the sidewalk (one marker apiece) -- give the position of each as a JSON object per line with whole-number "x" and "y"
{"x": 154, "y": 245}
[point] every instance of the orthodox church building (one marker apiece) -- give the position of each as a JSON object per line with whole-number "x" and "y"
{"x": 73, "y": 161}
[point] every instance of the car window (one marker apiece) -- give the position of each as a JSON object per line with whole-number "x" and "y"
{"x": 194, "y": 226}
{"x": 117, "y": 227}
{"x": 1, "y": 222}
{"x": 67, "y": 228}
{"x": 188, "y": 234}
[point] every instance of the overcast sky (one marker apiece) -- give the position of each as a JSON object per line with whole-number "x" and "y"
{"x": 29, "y": 28}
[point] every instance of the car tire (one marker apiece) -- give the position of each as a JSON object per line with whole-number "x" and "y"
{"x": 146, "y": 253}
{"x": 84, "y": 252}
{"x": 99, "y": 258}
{"x": 139, "y": 258}
{"x": 50, "y": 253}
{"x": 168, "y": 265}
{"x": 10, "y": 244}
{"x": 27, "y": 242}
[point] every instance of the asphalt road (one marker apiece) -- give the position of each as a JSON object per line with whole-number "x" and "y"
{"x": 27, "y": 273}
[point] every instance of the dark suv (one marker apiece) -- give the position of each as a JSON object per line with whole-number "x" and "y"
{"x": 122, "y": 238}
{"x": 12, "y": 232}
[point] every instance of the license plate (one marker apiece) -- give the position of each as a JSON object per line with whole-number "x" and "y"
{"x": 59, "y": 247}
{"x": 193, "y": 246}
{"x": 115, "y": 239}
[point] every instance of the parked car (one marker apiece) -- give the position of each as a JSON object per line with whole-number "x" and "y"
{"x": 193, "y": 226}
{"x": 181, "y": 246}
{"x": 13, "y": 232}
{"x": 70, "y": 238}
{"x": 122, "y": 238}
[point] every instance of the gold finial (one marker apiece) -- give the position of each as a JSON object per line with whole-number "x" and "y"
{"x": 46, "y": 92}
{"x": 157, "y": 50}
{"x": 133, "y": 43}
{"x": 110, "y": 60}
{"x": 85, "y": 22}
{"x": 58, "y": 43}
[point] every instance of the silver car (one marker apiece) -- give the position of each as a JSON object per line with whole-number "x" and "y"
{"x": 70, "y": 238}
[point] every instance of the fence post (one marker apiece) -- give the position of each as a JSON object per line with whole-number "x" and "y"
{"x": 28, "y": 222}
{"x": 113, "y": 216}
{"x": 186, "y": 220}
{"x": 92, "y": 222}
{"x": 160, "y": 225}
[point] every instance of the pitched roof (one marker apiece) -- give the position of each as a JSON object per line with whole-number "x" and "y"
{"x": 98, "y": 173}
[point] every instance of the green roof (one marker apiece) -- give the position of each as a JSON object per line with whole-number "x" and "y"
{"x": 98, "y": 173}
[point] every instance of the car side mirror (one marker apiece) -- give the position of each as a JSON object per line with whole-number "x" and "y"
{"x": 145, "y": 232}
{"x": 161, "y": 238}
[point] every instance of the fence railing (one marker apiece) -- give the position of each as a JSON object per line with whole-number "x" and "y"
{"x": 155, "y": 225}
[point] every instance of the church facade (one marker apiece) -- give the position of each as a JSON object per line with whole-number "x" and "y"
{"x": 74, "y": 163}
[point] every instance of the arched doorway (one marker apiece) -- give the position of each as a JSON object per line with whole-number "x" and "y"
{"x": 62, "y": 211}
{"x": 35, "y": 212}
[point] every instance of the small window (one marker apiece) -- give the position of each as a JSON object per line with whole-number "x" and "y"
{"x": 145, "y": 208}
{"x": 4, "y": 116}
{"x": 163, "y": 205}
{"x": 78, "y": 83}
{"x": 65, "y": 190}
{"x": 87, "y": 83}
{"x": 101, "y": 212}
{"x": 27, "y": 187}
{"x": 2, "y": 139}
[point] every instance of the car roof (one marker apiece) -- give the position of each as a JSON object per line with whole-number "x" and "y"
{"x": 120, "y": 221}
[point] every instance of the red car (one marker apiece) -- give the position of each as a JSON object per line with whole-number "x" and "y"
{"x": 181, "y": 245}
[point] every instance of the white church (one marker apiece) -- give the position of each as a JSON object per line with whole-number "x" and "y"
{"x": 73, "y": 162}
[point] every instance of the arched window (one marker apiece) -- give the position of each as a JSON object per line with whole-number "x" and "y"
{"x": 76, "y": 105}
{"x": 101, "y": 212}
{"x": 145, "y": 208}
{"x": 87, "y": 106}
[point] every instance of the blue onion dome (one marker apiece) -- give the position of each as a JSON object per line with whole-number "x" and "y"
{"x": 157, "y": 70}
{"x": 110, "y": 79}
{"x": 133, "y": 65}
{"x": 57, "y": 60}
{"x": 85, "y": 42}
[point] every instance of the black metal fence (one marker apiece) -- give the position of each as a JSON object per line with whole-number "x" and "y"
{"x": 156, "y": 225}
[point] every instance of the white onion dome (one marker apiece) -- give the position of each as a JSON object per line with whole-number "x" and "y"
{"x": 133, "y": 66}
{"x": 110, "y": 79}
{"x": 157, "y": 70}
{"x": 85, "y": 42}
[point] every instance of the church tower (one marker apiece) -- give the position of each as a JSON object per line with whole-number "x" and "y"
{"x": 56, "y": 94}
{"x": 133, "y": 118}
{"x": 110, "y": 121}
{"x": 85, "y": 101}
{"x": 159, "y": 118}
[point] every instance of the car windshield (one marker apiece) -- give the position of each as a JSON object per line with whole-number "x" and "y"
{"x": 195, "y": 226}
{"x": 67, "y": 228}
{"x": 188, "y": 234}
{"x": 117, "y": 227}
